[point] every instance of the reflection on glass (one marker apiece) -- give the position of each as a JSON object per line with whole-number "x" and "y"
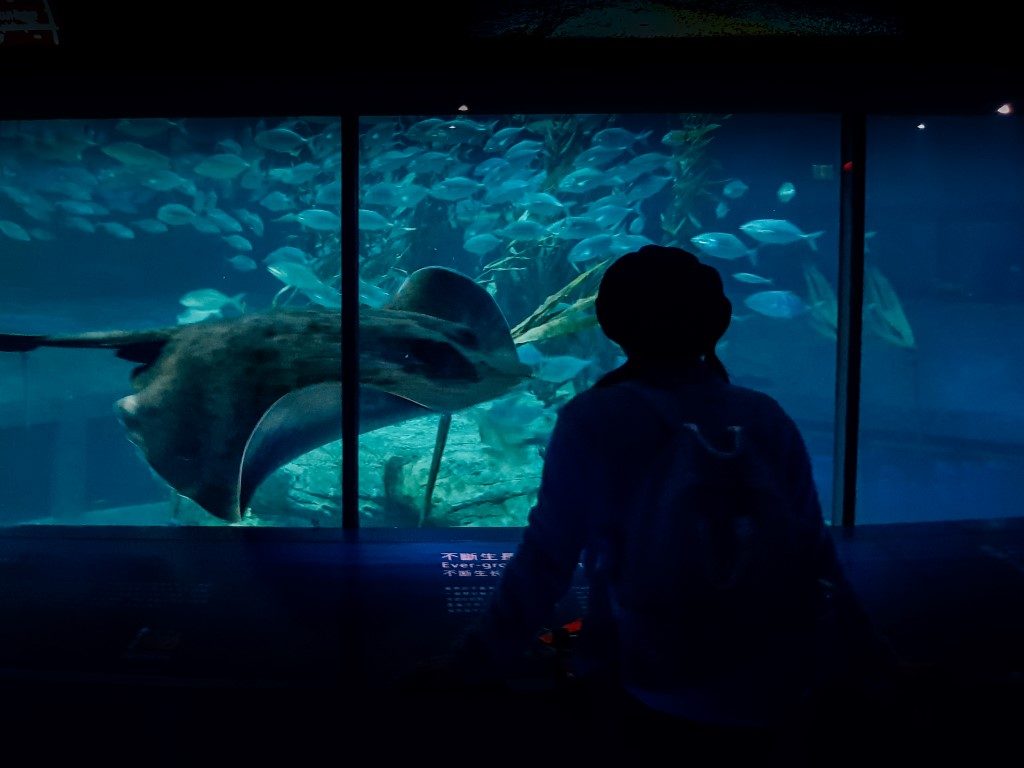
{"x": 941, "y": 415}
{"x": 523, "y": 214}
{"x": 186, "y": 272}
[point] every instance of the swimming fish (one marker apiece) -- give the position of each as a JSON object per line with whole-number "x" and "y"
{"x": 748, "y": 277}
{"x": 214, "y": 425}
{"x": 723, "y": 245}
{"x": 210, "y": 299}
{"x": 735, "y": 189}
{"x": 281, "y": 139}
{"x": 780, "y": 304}
{"x": 786, "y": 192}
{"x": 223, "y": 166}
{"x": 779, "y": 232}
{"x": 242, "y": 263}
{"x": 135, "y": 155}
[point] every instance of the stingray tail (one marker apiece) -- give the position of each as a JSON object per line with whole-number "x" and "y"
{"x": 20, "y": 342}
{"x": 136, "y": 346}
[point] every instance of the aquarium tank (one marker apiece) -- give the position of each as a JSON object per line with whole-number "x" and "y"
{"x": 532, "y": 209}
{"x": 171, "y": 317}
{"x": 942, "y": 416}
{"x": 146, "y": 235}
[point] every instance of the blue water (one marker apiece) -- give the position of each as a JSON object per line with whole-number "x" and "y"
{"x": 756, "y": 196}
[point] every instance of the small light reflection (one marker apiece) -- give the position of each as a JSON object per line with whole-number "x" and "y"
{"x": 920, "y": 126}
{"x": 463, "y": 108}
{"x": 1006, "y": 109}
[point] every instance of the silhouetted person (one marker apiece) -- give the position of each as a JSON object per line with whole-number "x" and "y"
{"x": 667, "y": 311}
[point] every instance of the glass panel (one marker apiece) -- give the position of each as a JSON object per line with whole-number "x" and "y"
{"x": 525, "y": 213}
{"x": 942, "y": 414}
{"x": 181, "y": 246}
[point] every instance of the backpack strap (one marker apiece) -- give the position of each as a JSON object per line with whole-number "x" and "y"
{"x": 672, "y": 417}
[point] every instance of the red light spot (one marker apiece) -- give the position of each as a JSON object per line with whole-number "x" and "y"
{"x": 848, "y": 165}
{"x": 573, "y": 626}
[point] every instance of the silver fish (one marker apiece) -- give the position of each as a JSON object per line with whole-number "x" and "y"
{"x": 723, "y": 245}
{"x": 735, "y": 189}
{"x": 780, "y": 304}
{"x": 779, "y": 232}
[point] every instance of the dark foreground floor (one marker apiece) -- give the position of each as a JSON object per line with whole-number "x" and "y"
{"x": 931, "y": 722}
{"x": 267, "y": 652}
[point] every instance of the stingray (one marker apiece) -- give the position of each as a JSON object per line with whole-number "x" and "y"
{"x": 219, "y": 405}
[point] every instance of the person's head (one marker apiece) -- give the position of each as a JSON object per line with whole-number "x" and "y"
{"x": 661, "y": 304}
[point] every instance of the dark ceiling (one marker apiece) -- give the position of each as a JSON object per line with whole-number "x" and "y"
{"x": 155, "y": 56}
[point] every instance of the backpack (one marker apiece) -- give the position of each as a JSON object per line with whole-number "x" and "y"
{"x": 701, "y": 562}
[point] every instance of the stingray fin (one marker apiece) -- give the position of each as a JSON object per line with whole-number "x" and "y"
{"x": 450, "y": 295}
{"x": 305, "y": 419}
{"x": 296, "y": 423}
